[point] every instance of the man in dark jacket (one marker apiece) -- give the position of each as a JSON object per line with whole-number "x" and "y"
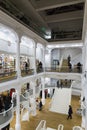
{"x": 70, "y": 112}
{"x": 40, "y": 105}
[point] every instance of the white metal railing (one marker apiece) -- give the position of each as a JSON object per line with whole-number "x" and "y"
{"x": 41, "y": 125}
{"x": 77, "y": 128}
{"x": 60, "y": 127}
{"x": 6, "y": 117}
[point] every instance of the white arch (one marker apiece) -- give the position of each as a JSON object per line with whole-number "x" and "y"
{"x": 8, "y": 34}
{"x": 26, "y": 41}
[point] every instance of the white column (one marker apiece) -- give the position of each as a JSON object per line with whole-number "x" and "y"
{"x": 33, "y": 83}
{"x": 44, "y": 58}
{"x": 18, "y": 60}
{"x": 34, "y": 92}
{"x": 82, "y": 105}
{"x": 85, "y": 95}
{"x": 86, "y": 116}
{"x": 18, "y": 125}
{"x": 84, "y": 38}
{"x": 35, "y": 45}
{"x": 43, "y": 88}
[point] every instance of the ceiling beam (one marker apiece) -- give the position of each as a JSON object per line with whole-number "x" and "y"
{"x": 49, "y": 5}
{"x": 64, "y": 17}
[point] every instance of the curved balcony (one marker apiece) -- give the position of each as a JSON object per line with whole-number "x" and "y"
{"x": 64, "y": 69}
{"x": 28, "y": 93}
{"x": 6, "y": 117}
{"x": 40, "y": 70}
{"x": 27, "y": 72}
{"x": 24, "y": 98}
{"x": 7, "y": 74}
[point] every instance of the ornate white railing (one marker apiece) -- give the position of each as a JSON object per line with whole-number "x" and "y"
{"x": 60, "y": 127}
{"x": 41, "y": 125}
{"x": 6, "y": 117}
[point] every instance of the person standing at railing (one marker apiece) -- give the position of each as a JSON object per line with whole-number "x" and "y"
{"x": 69, "y": 59}
{"x": 40, "y": 66}
{"x": 28, "y": 86}
{"x": 70, "y": 67}
{"x": 1, "y": 104}
{"x": 7, "y": 102}
{"x": 58, "y": 83}
{"x": 40, "y": 105}
{"x": 79, "y": 67}
{"x": 26, "y": 67}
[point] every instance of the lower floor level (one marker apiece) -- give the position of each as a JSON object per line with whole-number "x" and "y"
{"x": 52, "y": 119}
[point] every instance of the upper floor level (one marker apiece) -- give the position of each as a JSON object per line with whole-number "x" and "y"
{"x": 23, "y": 53}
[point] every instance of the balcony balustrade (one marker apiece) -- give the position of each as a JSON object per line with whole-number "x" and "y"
{"x": 6, "y": 117}
{"x": 64, "y": 69}
{"x": 40, "y": 70}
{"x": 27, "y": 72}
{"x": 7, "y": 74}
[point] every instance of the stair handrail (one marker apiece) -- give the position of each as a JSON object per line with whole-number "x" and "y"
{"x": 60, "y": 127}
{"x": 41, "y": 125}
{"x": 77, "y": 127}
{"x": 6, "y": 113}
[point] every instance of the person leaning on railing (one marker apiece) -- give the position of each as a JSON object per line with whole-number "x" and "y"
{"x": 1, "y": 104}
{"x": 7, "y": 102}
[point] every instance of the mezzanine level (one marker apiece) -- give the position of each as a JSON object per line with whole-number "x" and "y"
{"x": 10, "y": 74}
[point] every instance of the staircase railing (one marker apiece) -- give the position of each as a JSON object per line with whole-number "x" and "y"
{"x": 60, "y": 127}
{"x": 77, "y": 128}
{"x": 41, "y": 125}
{"x": 6, "y": 117}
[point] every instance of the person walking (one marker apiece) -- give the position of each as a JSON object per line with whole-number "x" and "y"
{"x": 70, "y": 112}
{"x": 40, "y": 105}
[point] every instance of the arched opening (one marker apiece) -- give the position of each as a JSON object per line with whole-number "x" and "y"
{"x": 27, "y": 56}
{"x": 8, "y": 40}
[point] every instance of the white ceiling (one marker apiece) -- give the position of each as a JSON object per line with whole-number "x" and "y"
{"x": 54, "y": 15}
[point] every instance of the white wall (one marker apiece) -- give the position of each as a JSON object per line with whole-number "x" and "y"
{"x": 26, "y": 50}
{"x": 48, "y": 59}
{"x": 75, "y": 54}
{"x": 7, "y": 47}
{"x": 39, "y": 54}
{"x": 50, "y": 56}
{"x": 70, "y": 51}
{"x": 76, "y": 88}
{"x": 55, "y": 54}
